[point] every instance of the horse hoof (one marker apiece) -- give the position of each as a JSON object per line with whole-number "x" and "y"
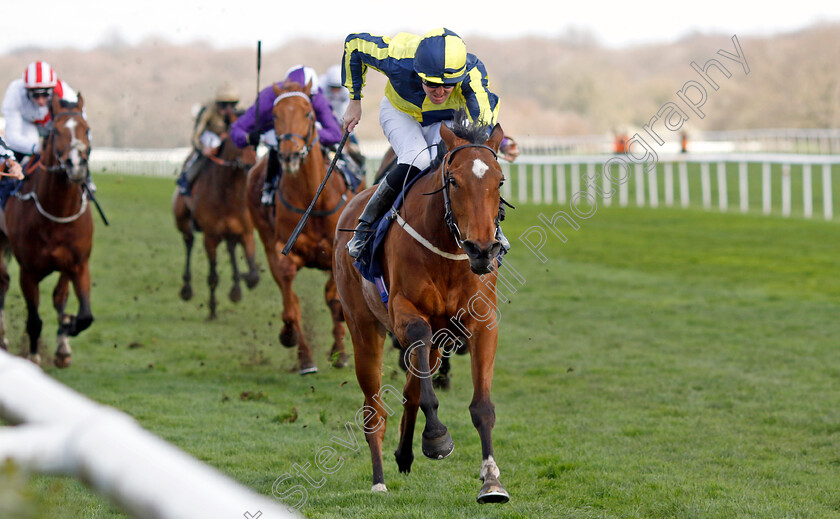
{"x": 288, "y": 336}
{"x": 35, "y": 359}
{"x": 308, "y": 369}
{"x": 438, "y": 448}
{"x": 379, "y": 487}
{"x": 404, "y": 461}
{"x": 252, "y": 280}
{"x": 235, "y": 294}
{"x": 441, "y": 381}
{"x": 62, "y": 360}
{"x": 339, "y": 360}
{"x": 4, "y": 344}
{"x": 186, "y": 292}
{"x": 493, "y": 492}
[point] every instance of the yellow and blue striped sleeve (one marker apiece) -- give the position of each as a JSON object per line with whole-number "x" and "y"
{"x": 362, "y": 50}
{"x": 482, "y": 104}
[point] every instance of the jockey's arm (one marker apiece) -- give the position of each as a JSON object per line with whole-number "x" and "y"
{"x": 20, "y": 136}
{"x": 509, "y": 149}
{"x": 330, "y": 132}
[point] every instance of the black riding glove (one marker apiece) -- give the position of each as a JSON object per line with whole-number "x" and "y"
{"x": 254, "y": 138}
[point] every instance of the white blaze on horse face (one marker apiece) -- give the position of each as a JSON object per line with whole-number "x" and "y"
{"x": 75, "y": 144}
{"x": 480, "y": 168}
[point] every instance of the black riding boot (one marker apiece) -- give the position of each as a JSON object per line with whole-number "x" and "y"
{"x": 382, "y": 200}
{"x": 271, "y": 173}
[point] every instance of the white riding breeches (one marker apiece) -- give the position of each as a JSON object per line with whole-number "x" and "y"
{"x": 412, "y": 143}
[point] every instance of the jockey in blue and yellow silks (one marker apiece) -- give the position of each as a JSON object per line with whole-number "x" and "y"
{"x": 429, "y": 78}
{"x": 442, "y": 59}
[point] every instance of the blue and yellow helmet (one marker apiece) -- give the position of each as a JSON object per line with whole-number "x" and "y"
{"x": 441, "y": 57}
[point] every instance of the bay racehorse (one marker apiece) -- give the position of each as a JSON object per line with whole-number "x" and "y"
{"x": 439, "y": 267}
{"x": 441, "y": 377}
{"x": 50, "y": 227}
{"x": 217, "y": 209}
{"x": 303, "y": 166}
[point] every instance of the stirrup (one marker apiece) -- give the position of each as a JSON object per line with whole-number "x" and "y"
{"x": 357, "y": 243}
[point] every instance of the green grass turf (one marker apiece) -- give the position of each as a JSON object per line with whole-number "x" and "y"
{"x": 661, "y": 363}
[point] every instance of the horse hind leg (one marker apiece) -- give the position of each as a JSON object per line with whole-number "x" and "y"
{"x": 235, "y": 294}
{"x": 253, "y": 275}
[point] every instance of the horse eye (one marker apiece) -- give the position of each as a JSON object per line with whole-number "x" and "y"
{"x": 501, "y": 182}
{"x": 452, "y": 182}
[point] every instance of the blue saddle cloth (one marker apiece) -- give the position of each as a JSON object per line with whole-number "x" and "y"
{"x": 369, "y": 262}
{"x": 8, "y": 187}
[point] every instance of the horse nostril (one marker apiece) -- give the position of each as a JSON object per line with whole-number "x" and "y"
{"x": 488, "y": 250}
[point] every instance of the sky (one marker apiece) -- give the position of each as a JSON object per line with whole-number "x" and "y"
{"x": 85, "y": 24}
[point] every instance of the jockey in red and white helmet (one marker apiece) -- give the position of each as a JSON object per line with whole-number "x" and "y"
{"x": 26, "y": 107}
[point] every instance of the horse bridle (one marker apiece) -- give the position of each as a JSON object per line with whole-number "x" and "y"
{"x": 308, "y": 140}
{"x": 53, "y": 132}
{"x": 448, "y": 217}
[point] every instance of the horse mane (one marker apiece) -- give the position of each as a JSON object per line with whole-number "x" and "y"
{"x": 473, "y": 132}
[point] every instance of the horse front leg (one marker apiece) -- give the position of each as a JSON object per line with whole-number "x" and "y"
{"x": 81, "y": 287}
{"x": 186, "y": 289}
{"x": 338, "y": 355}
{"x": 29, "y": 289}
{"x": 63, "y": 353}
{"x": 411, "y": 392}
{"x": 416, "y": 333}
{"x": 210, "y": 245}
{"x": 292, "y": 333}
{"x": 4, "y": 288}
{"x": 235, "y": 294}
{"x": 483, "y": 413}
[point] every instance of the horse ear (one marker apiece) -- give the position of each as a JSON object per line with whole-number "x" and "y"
{"x": 308, "y": 88}
{"x": 496, "y": 137}
{"x": 277, "y": 89}
{"x": 448, "y": 136}
{"x": 80, "y": 104}
{"x": 55, "y": 104}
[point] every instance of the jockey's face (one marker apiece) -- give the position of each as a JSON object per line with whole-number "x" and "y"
{"x": 437, "y": 93}
{"x": 40, "y": 96}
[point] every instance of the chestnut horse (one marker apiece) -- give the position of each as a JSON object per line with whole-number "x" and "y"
{"x": 217, "y": 208}
{"x": 50, "y": 228}
{"x": 439, "y": 295}
{"x": 303, "y": 168}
